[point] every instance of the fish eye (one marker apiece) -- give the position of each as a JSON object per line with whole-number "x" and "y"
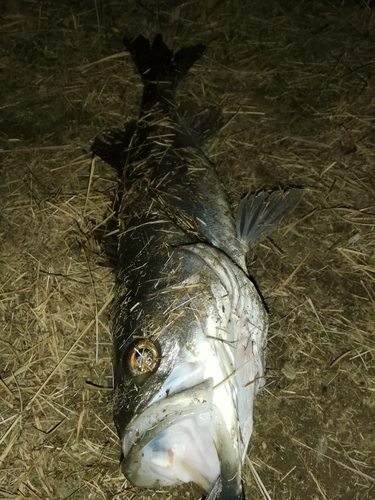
{"x": 143, "y": 358}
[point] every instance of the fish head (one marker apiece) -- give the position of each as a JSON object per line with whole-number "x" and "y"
{"x": 163, "y": 408}
{"x": 182, "y": 412}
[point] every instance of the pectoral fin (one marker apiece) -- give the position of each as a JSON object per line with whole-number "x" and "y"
{"x": 259, "y": 214}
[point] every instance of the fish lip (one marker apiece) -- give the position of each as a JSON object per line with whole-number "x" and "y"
{"x": 159, "y": 416}
{"x": 230, "y": 462}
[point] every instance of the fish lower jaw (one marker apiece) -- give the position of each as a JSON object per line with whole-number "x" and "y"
{"x": 183, "y": 453}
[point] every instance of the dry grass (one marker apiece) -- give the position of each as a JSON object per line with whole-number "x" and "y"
{"x": 297, "y": 81}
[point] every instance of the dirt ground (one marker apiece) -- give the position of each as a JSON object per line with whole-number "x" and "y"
{"x": 296, "y": 81}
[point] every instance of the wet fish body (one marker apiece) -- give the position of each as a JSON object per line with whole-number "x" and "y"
{"x": 189, "y": 324}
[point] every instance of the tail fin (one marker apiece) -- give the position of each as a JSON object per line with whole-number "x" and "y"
{"x": 161, "y": 69}
{"x": 259, "y": 214}
{"x": 157, "y": 63}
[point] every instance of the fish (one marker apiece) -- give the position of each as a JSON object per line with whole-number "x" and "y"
{"x": 189, "y": 323}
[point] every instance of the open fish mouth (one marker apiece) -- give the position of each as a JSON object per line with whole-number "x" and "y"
{"x": 182, "y": 438}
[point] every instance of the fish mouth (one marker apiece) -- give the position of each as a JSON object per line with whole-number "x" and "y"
{"x": 150, "y": 457}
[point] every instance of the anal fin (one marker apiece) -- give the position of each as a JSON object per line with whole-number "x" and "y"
{"x": 197, "y": 127}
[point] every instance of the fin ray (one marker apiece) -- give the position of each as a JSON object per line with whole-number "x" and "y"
{"x": 258, "y": 215}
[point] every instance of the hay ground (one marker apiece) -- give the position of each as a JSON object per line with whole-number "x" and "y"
{"x": 298, "y": 79}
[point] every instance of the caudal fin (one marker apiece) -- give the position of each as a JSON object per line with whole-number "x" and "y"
{"x": 161, "y": 69}
{"x": 157, "y": 63}
{"x": 259, "y": 214}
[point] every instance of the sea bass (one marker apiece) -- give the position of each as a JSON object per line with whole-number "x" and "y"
{"x": 189, "y": 324}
